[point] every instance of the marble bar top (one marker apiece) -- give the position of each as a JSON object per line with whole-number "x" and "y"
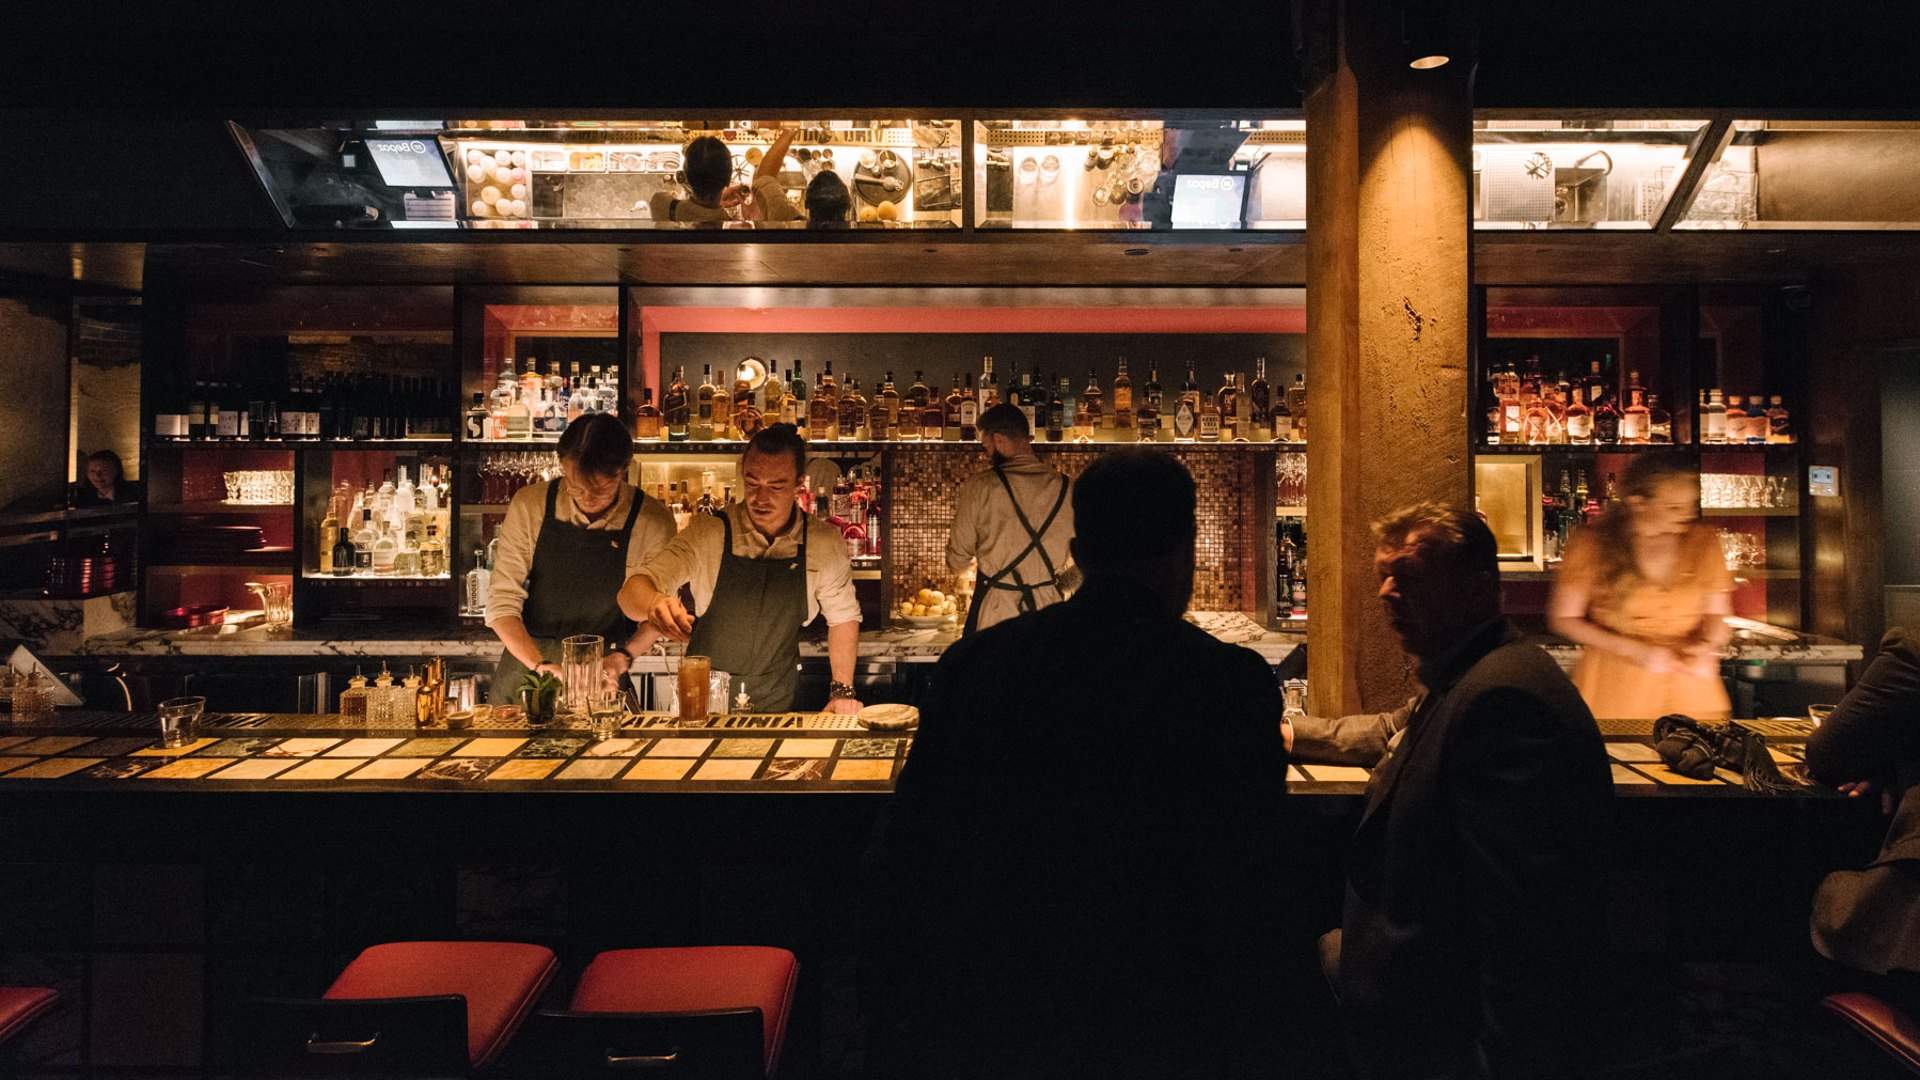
{"x": 898, "y": 643}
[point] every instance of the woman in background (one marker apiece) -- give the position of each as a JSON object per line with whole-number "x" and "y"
{"x": 1645, "y": 590}
{"x": 106, "y": 481}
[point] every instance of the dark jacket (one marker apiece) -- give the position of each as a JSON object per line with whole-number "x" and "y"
{"x": 1475, "y": 917}
{"x": 1082, "y": 851}
{"x": 1870, "y": 918}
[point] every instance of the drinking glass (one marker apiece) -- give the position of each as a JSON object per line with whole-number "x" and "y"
{"x": 692, "y": 692}
{"x": 720, "y": 692}
{"x": 608, "y": 710}
{"x": 580, "y": 670}
{"x": 178, "y": 717}
{"x": 276, "y": 599}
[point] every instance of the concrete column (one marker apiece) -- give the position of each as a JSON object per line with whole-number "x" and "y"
{"x": 1388, "y": 244}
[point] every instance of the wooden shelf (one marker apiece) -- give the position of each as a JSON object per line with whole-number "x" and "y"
{"x": 1633, "y": 448}
{"x": 218, "y": 508}
{"x": 436, "y": 443}
{"x": 279, "y": 563}
{"x": 314, "y": 577}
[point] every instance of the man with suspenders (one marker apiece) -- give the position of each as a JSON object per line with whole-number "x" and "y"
{"x": 1014, "y": 519}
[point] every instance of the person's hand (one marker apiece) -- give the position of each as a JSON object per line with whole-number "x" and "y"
{"x": 671, "y": 618}
{"x": 1286, "y": 735}
{"x": 616, "y": 664}
{"x": 1658, "y": 659}
{"x": 845, "y": 706}
{"x": 1701, "y": 658}
{"x": 1856, "y": 789}
{"x": 1865, "y": 789}
{"x": 734, "y": 195}
{"x": 544, "y": 668}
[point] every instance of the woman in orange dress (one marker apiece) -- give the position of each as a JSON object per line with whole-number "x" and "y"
{"x": 1645, "y": 591}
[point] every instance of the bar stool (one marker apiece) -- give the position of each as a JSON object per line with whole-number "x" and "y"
{"x": 1886, "y": 1026}
{"x": 21, "y": 1006}
{"x": 411, "y": 1008}
{"x": 703, "y": 1013}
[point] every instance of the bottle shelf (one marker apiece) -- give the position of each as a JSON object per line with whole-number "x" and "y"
{"x": 433, "y": 443}
{"x": 1632, "y": 448}
{"x": 218, "y": 508}
{"x": 830, "y": 447}
{"x": 280, "y": 561}
{"x": 314, "y": 577}
{"x": 512, "y": 444}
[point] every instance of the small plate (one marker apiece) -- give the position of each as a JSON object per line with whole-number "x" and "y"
{"x": 923, "y": 622}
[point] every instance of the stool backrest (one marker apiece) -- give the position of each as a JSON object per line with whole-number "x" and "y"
{"x": 382, "y": 1037}
{"x": 719, "y": 1045}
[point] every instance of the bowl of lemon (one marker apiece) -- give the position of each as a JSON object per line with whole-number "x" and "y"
{"x": 927, "y": 609}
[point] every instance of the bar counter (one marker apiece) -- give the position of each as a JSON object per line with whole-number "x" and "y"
{"x": 748, "y": 753}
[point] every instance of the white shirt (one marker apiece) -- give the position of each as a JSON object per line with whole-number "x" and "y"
{"x": 694, "y": 556}
{"x": 986, "y": 528}
{"x": 520, "y": 532}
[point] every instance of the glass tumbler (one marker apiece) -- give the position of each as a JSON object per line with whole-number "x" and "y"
{"x": 608, "y": 710}
{"x": 580, "y": 658}
{"x": 693, "y": 690}
{"x": 178, "y": 719}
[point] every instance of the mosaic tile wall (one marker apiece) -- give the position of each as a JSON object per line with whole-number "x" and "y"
{"x": 923, "y": 482}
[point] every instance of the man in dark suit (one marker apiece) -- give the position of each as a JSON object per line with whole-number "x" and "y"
{"x": 1082, "y": 849}
{"x": 1870, "y": 918}
{"x": 1474, "y": 922}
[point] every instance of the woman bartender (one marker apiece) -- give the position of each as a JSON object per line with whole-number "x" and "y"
{"x": 760, "y": 571}
{"x": 563, "y": 551}
{"x": 1645, "y": 590}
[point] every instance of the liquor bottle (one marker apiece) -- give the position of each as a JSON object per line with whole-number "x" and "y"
{"x": 479, "y": 584}
{"x": 1026, "y": 399}
{"x": 1260, "y": 402}
{"x": 1754, "y": 431}
{"x": 517, "y": 422}
{"x": 933, "y": 417}
{"x": 1735, "y": 422}
{"x": 969, "y": 411}
{"x": 1123, "y": 398}
{"x": 530, "y": 380}
{"x": 723, "y": 408}
{"x": 476, "y": 421}
{"x": 1056, "y": 420}
{"x": 917, "y": 393}
{"x": 950, "y": 411}
{"x": 1297, "y": 405}
{"x": 1151, "y": 392}
{"x": 702, "y": 428}
{"x": 1091, "y": 415}
{"x": 1225, "y": 400}
{"x": 989, "y": 389}
{"x": 786, "y": 406}
{"x": 1506, "y": 394}
{"x": 329, "y": 525}
{"x": 647, "y": 422}
{"x": 1186, "y": 411}
{"x": 555, "y": 385}
{"x": 1713, "y": 418}
{"x": 610, "y": 391}
{"x": 887, "y": 410}
{"x": 823, "y": 415}
{"x": 1606, "y": 421}
{"x": 341, "y": 560}
{"x": 851, "y": 415}
{"x": 1069, "y": 408}
{"x": 1595, "y": 385}
{"x": 385, "y": 550}
{"x": 1579, "y": 420}
{"x": 1779, "y": 428}
{"x": 1558, "y": 395}
{"x": 1209, "y": 426}
{"x": 1659, "y": 421}
{"x": 827, "y": 388}
{"x": 673, "y": 405}
{"x": 1634, "y": 421}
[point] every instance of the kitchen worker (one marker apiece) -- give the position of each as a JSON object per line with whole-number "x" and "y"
{"x": 564, "y": 550}
{"x": 1013, "y": 518}
{"x": 708, "y": 166}
{"x": 759, "y": 571}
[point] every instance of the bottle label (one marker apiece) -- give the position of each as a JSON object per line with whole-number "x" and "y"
{"x": 1209, "y": 425}
{"x": 1183, "y": 420}
{"x": 969, "y": 412}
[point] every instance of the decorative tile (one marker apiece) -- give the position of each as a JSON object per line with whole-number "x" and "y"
{"x": 1624, "y": 775}
{"x": 120, "y": 768}
{"x": 176, "y": 751}
{"x": 299, "y": 748}
{"x": 859, "y": 769}
{"x": 1331, "y": 774}
{"x": 187, "y": 769}
{"x": 551, "y": 746}
{"x": 489, "y": 748}
{"x": 364, "y": 748}
{"x": 125, "y": 744}
{"x": 53, "y": 744}
{"x": 798, "y": 748}
{"x": 615, "y": 748}
{"x": 7, "y": 763}
{"x": 320, "y": 769}
{"x": 592, "y": 769}
{"x": 525, "y": 769}
{"x": 13, "y": 740}
{"x": 659, "y": 769}
{"x": 1632, "y": 751}
{"x": 253, "y": 769}
{"x": 727, "y": 769}
{"x": 426, "y": 747}
{"x": 53, "y": 768}
{"x": 666, "y": 748}
{"x": 390, "y": 768}
{"x": 744, "y": 748}
{"x": 796, "y": 769}
{"x": 869, "y": 748}
{"x": 1295, "y": 776}
{"x": 459, "y": 768}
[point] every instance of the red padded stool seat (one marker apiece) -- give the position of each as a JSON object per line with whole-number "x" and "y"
{"x": 698, "y": 979}
{"x": 1886, "y": 1025}
{"x": 501, "y": 981}
{"x": 19, "y": 1005}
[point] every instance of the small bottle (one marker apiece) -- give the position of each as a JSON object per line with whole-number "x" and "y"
{"x": 950, "y": 412}
{"x": 673, "y": 406}
{"x": 1735, "y": 423}
{"x": 887, "y": 409}
{"x": 1579, "y": 420}
{"x": 476, "y": 424}
{"x": 1069, "y": 407}
{"x": 1186, "y": 417}
{"x": 1056, "y": 418}
{"x": 1226, "y": 400}
{"x": 1713, "y": 418}
{"x": 823, "y": 413}
{"x": 647, "y": 421}
{"x": 1634, "y": 419}
{"x": 1091, "y": 416}
{"x": 701, "y": 430}
{"x": 933, "y": 417}
{"x": 433, "y": 553}
{"x": 1606, "y": 422}
{"x": 1260, "y": 399}
{"x": 1659, "y": 421}
{"x": 1297, "y": 405}
{"x": 989, "y": 389}
{"x": 723, "y": 408}
{"x": 1152, "y": 392}
{"x": 1123, "y": 398}
{"x": 479, "y": 584}
{"x": 342, "y": 561}
{"x": 970, "y": 411}
{"x": 852, "y": 412}
{"x": 1779, "y": 429}
{"x": 1209, "y": 427}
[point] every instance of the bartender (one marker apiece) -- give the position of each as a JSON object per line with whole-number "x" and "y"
{"x": 1013, "y": 518}
{"x": 563, "y": 551}
{"x": 759, "y": 571}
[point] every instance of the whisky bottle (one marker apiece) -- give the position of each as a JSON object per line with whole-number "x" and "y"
{"x": 1606, "y": 421}
{"x": 989, "y": 389}
{"x": 747, "y": 420}
{"x": 786, "y": 409}
{"x": 950, "y": 411}
{"x": 1659, "y": 421}
{"x": 933, "y": 417}
{"x": 702, "y": 430}
{"x": 1226, "y": 400}
{"x": 674, "y": 405}
{"x": 1595, "y": 386}
{"x": 1123, "y": 398}
{"x": 1260, "y": 402}
{"x": 1713, "y": 418}
{"x": 1779, "y": 429}
{"x": 1069, "y": 406}
{"x": 917, "y": 394}
{"x": 1186, "y": 410}
{"x": 433, "y": 553}
{"x": 969, "y": 411}
{"x": 646, "y": 422}
{"x": 1297, "y": 405}
{"x": 1027, "y": 400}
{"x": 1209, "y": 425}
{"x": 1579, "y": 420}
{"x": 341, "y": 559}
{"x": 852, "y": 413}
{"x": 1634, "y": 420}
{"x": 823, "y": 414}
{"x": 723, "y": 407}
{"x": 1056, "y": 417}
{"x": 1152, "y": 390}
{"x": 886, "y": 409}
{"x": 1091, "y": 414}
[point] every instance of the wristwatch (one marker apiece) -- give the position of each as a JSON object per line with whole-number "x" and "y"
{"x": 622, "y": 650}
{"x": 839, "y": 690}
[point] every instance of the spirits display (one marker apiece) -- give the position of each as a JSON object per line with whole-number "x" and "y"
{"x": 333, "y": 406}
{"x": 528, "y": 405}
{"x": 398, "y": 529}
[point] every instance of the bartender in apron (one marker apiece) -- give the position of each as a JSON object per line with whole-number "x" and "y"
{"x": 759, "y": 571}
{"x": 1014, "y": 519}
{"x": 564, "y": 548}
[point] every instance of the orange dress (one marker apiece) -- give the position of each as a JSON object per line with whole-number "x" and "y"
{"x": 1665, "y": 614}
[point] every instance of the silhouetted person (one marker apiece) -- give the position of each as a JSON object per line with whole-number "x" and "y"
{"x": 1474, "y": 926}
{"x": 1869, "y": 919}
{"x": 1084, "y": 840}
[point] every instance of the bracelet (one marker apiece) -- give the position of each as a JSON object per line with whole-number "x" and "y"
{"x": 837, "y": 691}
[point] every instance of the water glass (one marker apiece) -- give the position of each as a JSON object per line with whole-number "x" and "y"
{"x": 580, "y": 658}
{"x": 720, "y": 692}
{"x": 693, "y": 690}
{"x": 178, "y": 718}
{"x": 608, "y": 710}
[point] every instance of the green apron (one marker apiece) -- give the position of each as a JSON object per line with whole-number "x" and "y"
{"x": 751, "y": 628}
{"x": 998, "y": 580}
{"x": 573, "y": 588}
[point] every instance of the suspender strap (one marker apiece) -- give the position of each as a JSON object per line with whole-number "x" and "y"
{"x": 1034, "y": 547}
